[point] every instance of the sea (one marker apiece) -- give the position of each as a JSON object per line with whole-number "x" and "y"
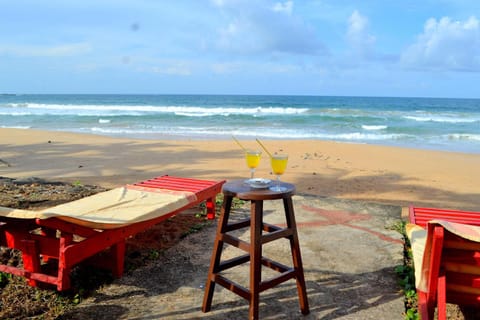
{"x": 424, "y": 123}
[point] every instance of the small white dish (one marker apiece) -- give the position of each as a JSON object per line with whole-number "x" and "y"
{"x": 258, "y": 183}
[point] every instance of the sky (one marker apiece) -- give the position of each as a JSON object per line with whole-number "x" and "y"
{"x": 408, "y": 48}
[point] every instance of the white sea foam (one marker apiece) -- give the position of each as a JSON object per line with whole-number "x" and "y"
{"x": 359, "y": 136}
{"x": 197, "y": 114}
{"x": 104, "y": 120}
{"x": 191, "y": 111}
{"x": 118, "y": 131}
{"x": 463, "y": 136}
{"x": 252, "y": 132}
{"x": 6, "y": 113}
{"x": 17, "y": 105}
{"x": 377, "y": 127}
{"x": 16, "y": 127}
{"x": 445, "y": 119}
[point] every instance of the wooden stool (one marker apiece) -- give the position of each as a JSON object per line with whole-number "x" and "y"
{"x": 241, "y": 190}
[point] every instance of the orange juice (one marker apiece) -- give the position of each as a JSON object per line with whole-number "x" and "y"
{"x": 253, "y": 158}
{"x": 279, "y": 163}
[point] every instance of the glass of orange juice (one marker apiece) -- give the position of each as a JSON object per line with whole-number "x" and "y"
{"x": 253, "y": 160}
{"x": 279, "y": 165}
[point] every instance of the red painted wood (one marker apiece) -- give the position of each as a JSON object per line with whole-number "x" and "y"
{"x": 210, "y": 205}
{"x": 421, "y": 216}
{"x": 31, "y": 259}
{"x": 17, "y": 234}
{"x": 422, "y": 306}
{"x": 447, "y": 248}
{"x": 442, "y": 297}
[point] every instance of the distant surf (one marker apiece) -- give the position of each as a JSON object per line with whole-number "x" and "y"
{"x": 429, "y": 123}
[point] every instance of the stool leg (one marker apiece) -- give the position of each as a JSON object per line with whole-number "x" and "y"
{"x": 118, "y": 252}
{"x": 31, "y": 260}
{"x": 296, "y": 255}
{"x": 64, "y": 264}
{"x": 216, "y": 254}
{"x": 210, "y": 204}
{"x": 256, "y": 227}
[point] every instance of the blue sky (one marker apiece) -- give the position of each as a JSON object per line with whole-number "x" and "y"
{"x": 428, "y": 48}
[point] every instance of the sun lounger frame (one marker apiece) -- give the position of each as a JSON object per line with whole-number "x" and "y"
{"x": 445, "y": 250}
{"x": 58, "y": 239}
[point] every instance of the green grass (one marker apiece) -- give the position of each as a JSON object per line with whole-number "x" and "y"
{"x": 406, "y": 276}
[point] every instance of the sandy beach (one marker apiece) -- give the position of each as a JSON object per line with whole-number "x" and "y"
{"x": 327, "y": 175}
{"x": 353, "y": 171}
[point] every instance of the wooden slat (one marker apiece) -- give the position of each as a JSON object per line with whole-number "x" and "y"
{"x": 264, "y": 285}
{"x": 227, "y": 264}
{"x": 15, "y": 231}
{"x": 421, "y": 216}
{"x": 178, "y": 184}
{"x": 232, "y": 286}
{"x": 454, "y": 275}
{"x": 277, "y": 266}
{"x": 463, "y": 279}
{"x": 275, "y": 235}
{"x": 463, "y": 298}
{"x": 236, "y": 242}
{"x": 238, "y": 225}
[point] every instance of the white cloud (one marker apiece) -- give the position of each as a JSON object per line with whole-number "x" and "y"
{"x": 358, "y": 36}
{"x": 252, "y": 27}
{"x": 218, "y": 3}
{"x": 286, "y": 7}
{"x": 46, "y": 51}
{"x": 446, "y": 45}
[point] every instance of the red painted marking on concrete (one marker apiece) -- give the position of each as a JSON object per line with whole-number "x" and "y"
{"x": 380, "y": 235}
{"x": 334, "y": 217}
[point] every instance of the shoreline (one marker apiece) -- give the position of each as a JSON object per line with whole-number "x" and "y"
{"x": 226, "y": 137}
{"x": 156, "y": 136}
{"x": 386, "y": 174}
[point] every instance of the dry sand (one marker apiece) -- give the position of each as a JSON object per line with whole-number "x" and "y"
{"x": 355, "y": 171}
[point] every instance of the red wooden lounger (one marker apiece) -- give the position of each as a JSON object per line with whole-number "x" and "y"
{"x": 450, "y": 270}
{"x": 57, "y": 238}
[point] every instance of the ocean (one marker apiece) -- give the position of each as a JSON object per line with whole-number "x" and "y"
{"x": 425, "y": 123}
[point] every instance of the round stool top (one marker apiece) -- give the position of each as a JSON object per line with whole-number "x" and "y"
{"x": 240, "y": 189}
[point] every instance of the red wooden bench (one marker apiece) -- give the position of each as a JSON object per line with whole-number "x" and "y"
{"x": 451, "y": 262}
{"x": 70, "y": 243}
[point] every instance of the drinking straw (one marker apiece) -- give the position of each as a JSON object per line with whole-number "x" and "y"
{"x": 261, "y": 144}
{"x": 239, "y": 144}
